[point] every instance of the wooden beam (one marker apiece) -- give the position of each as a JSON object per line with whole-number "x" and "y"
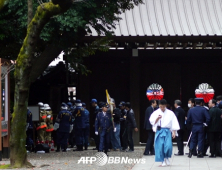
{"x": 194, "y": 45}
{"x": 165, "y": 45}
{"x": 155, "y": 45}
{"x": 175, "y": 46}
{"x": 184, "y": 45}
{"x": 204, "y": 45}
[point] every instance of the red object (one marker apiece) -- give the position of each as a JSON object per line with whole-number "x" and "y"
{"x": 204, "y": 91}
{"x": 52, "y": 146}
{"x": 155, "y": 91}
{"x": 37, "y": 141}
{"x": 47, "y": 142}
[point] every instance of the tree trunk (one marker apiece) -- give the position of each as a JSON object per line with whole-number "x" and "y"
{"x": 18, "y": 155}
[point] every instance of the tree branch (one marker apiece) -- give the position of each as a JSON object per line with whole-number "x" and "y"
{"x": 43, "y": 61}
{"x": 30, "y": 11}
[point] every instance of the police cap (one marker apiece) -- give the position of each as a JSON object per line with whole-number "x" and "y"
{"x": 103, "y": 104}
{"x": 93, "y": 101}
{"x": 198, "y": 99}
{"x": 122, "y": 103}
{"x": 69, "y": 104}
{"x": 83, "y": 104}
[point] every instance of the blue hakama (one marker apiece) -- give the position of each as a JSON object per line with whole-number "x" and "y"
{"x": 163, "y": 144}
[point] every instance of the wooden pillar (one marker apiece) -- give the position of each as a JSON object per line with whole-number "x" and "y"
{"x": 135, "y": 91}
{"x": 6, "y": 149}
{"x": 0, "y": 113}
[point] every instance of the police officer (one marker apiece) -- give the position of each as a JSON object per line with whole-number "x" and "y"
{"x": 29, "y": 131}
{"x": 103, "y": 125}
{"x": 96, "y": 111}
{"x": 65, "y": 119}
{"x": 86, "y": 129}
{"x": 41, "y": 126}
{"x": 122, "y": 121}
{"x": 72, "y": 134}
{"x": 79, "y": 125}
{"x": 197, "y": 116}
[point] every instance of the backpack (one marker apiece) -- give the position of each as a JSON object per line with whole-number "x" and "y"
{"x": 42, "y": 147}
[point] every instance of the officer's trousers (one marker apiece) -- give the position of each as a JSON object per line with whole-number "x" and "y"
{"x": 79, "y": 136}
{"x": 104, "y": 140}
{"x": 86, "y": 135}
{"x": 62, "y": 139}
{"x": 197, "y": 138}
{"x": 29, "y": 137}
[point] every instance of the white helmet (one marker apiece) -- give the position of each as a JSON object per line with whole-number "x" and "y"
{"x": 40, "y": 104}
{"x": 46, "y": 107}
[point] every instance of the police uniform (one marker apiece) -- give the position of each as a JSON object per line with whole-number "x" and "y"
{"x": 49, "y": 121}
{"x": 197, "y": 116}
{"x": 65, "y": 119}
{"x": 29, "y": 131}
{"x": 122, "y": 122}
{"x": 86, "y": 129}
{"x": 79, "y": 125}
{"x": 96, "y": 111}
{"x": 103, "y": 125}
{"x": 41, "y": 126}
{"x": 72, "y": 134}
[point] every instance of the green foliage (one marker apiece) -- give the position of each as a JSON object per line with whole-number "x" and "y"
{"x": 75, "y": 55}
{"x": 62, "y": 29}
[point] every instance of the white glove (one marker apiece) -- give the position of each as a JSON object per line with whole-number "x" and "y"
{"x": 27, "y": 125}
{"x": 96, "y": 133}
{"x": 49, "y": 116}
{"x": 71, "y": 128}
{"x": 56, "y": 126}
{"x": 114, "y": 130}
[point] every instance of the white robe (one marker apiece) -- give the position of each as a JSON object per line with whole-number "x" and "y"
{"x": 168, "y": 120}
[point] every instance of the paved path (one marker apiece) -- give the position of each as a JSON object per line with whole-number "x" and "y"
{"x": 182, "y": 163}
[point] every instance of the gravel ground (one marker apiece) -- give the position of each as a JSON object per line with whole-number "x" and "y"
{"x": 69, "y": 160}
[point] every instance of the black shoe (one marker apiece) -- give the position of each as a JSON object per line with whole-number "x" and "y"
{"x": 95, "y": 149}
{"x": 64, "y": 150}
{"x": 200, "y": 155}
{"x": 178, "y": 154}
{"x": 212, "y": 156}
{"x": 205, "y": 154}
{"x": 147, "y": 154}
{"x": 190, "y": 153}
{"x": 130, "y": 150}
{"x": 152, "y": 153}
{"x": 57, "y": 150}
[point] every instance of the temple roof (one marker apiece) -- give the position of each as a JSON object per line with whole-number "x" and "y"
{"x": 171, "y": 17}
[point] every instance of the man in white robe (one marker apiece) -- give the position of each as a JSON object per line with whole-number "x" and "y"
{"x": 164, "y": 124}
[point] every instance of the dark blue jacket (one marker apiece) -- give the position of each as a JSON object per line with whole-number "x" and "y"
{"x": 86, "y": 116}
{"x": 79, "y": 114}
{"x": 103, "y": 122}
{"x": 65, "y": 120}
{"x": 148, "y": 113}
{"x": 198, "y": 115}
{"x": 29, "y": 119}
